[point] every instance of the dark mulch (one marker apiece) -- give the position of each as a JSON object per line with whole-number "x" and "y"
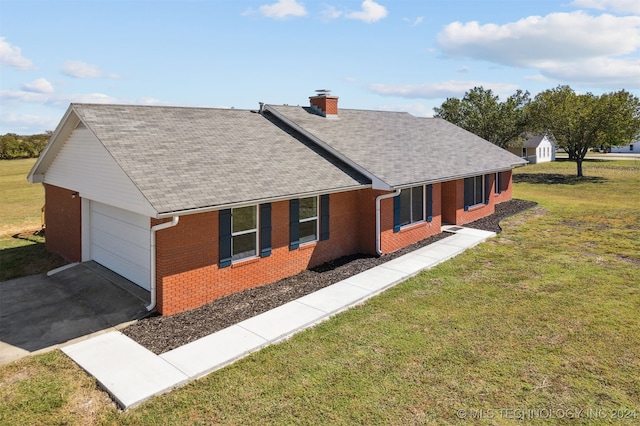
{"x": 161, "y": 334}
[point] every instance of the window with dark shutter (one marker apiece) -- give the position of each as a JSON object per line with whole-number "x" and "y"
{"x": 487, "y": 189}
{"x": 294, "y": 224}
{"x": 396, "y": 213}
{"x": 429, "y": 203}
{"x": 225, "y": 237}
{"x": 411, "y": 205}
{"x": 475, "y": 191}
{"x": 265, "y": 230}
{"x": 324, "y": 217}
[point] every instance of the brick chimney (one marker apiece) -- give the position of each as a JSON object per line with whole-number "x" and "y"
{"x": 324, "y": 104}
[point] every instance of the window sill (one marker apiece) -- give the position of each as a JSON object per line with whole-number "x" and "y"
{"x": 308, "y": 245}
{"x": 243, "y": 262}
{"x": 411, "y": 226}
{"x": 476, "y": 207}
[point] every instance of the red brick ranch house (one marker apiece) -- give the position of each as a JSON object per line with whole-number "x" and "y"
{"x": 193, "y": 204}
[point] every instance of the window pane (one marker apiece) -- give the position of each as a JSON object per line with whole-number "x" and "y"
{"x": 308, "y": 231}
{"x": 478, "y": 191}
{"x": 244, "y": 246}
{"x": 417, "y": 203}
{"x": 405, "y": 207}
{"x": 244, "y": 218}
{"x": 308, "y": 207}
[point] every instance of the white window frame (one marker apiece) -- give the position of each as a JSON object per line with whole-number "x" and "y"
{"x": 309, "y": 219}
{"x": 424, "y": 206}
{"x": 247, "y": 231}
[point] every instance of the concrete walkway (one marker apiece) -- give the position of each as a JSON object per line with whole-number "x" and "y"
{"x": 133, "y": 374}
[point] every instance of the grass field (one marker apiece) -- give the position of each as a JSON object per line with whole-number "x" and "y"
{"x": 20, "y": 214}
{"x": 541, "y": 320}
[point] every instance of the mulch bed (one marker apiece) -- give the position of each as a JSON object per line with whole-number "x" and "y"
{"x": 160, "y": 334}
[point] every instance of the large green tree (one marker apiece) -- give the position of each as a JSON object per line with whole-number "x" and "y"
{"x": 482, "y": 113}
{"x": 578, "y": 122}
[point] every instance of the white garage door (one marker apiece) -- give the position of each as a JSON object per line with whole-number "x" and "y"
{"x": 120, "y": 242}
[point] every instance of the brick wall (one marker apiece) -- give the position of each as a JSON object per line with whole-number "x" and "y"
{"x": 187, "y": 255}
{"x": 392, "y": 241}
{"x": 507, "y": 191}
{"x": 453, "y": 200}
{"x": 63, "y": 221}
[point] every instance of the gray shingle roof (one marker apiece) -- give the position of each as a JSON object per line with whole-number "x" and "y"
{"x": 187, "y": 158}
{"x": 401, "y": 149}
{"x": 533, "y": 142}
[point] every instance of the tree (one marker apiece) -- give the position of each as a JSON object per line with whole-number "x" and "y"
{"x": 579, "y": 122}
{"x": 16, "y": 146}
{"x": 482, "y": 113}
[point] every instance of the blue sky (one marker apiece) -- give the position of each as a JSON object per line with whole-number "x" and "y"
{"x": 401, "y": 55}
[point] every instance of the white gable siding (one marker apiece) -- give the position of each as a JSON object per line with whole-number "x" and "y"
{"x": 84, "y": 165}
{"x": 546, "y": 151}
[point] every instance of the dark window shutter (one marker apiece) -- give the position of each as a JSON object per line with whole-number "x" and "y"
{"x": 429, "y": 203}
{"x": 487, "y": 188}
{"x": 499, "y": 182}
{"x": 468, "y": 192}
{"x": 324, "y": 217}
{"x": 265, "y": 230}
{"x": 225, "y": 238}
{"x": 294, "y": 224}
{"x": 396, "y": 213}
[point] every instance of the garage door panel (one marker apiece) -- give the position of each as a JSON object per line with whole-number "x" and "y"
{"x": 136, "y": 235}
{"x": 120, "y": 241}
{"x": 131, "y": 252}
{"x": 134, "y": 273}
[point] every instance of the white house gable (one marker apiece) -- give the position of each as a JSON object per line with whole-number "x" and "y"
{"x": 83, "y": 164}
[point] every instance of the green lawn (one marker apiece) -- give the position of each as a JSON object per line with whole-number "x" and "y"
{"x": 21, "y": 201}
{"x": 21, "y": 248}
{"x": 544, "y": 317}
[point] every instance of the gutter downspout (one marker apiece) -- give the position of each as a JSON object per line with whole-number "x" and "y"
{"x": 174, "y": 222}
{"x": 378, "y": 199}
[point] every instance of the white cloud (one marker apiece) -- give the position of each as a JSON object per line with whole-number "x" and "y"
{"x": 415, "y": 109}
{"x": 40, "y": 85}
{"x": 537, "y": 77}
{"x": 12, "y": 56}
{"x": 370, "y": 12}
{"x": 414, "y": 22}
{"x": 79, "y": 69}
{"x": 27, "y": 123}
{"x": 439, "y": 90}
{"x": 621, "y": 6}
{"x": 64, "y": 99}
{"x": 557, "y": 45}
{"x": 330, "y": 12}
{"x": 283, "y": 9}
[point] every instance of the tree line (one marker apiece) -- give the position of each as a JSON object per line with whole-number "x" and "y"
{"x": 14, "y": 146}
{"x": 577, "y": 122}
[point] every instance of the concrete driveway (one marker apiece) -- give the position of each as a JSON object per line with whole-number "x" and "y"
{"x": 42, "y": 312}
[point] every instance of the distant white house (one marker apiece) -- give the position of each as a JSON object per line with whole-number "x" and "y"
{"x": 539, "y": 149}
{"x": 632, "y": 148}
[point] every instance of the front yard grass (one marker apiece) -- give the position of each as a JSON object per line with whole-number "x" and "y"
{"x": 22, "y": 249}
{"x": 543, "y": 317}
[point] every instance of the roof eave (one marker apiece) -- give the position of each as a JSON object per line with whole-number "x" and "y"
{"x": 238, "y": 204}
{"x": 457, "y": 177}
